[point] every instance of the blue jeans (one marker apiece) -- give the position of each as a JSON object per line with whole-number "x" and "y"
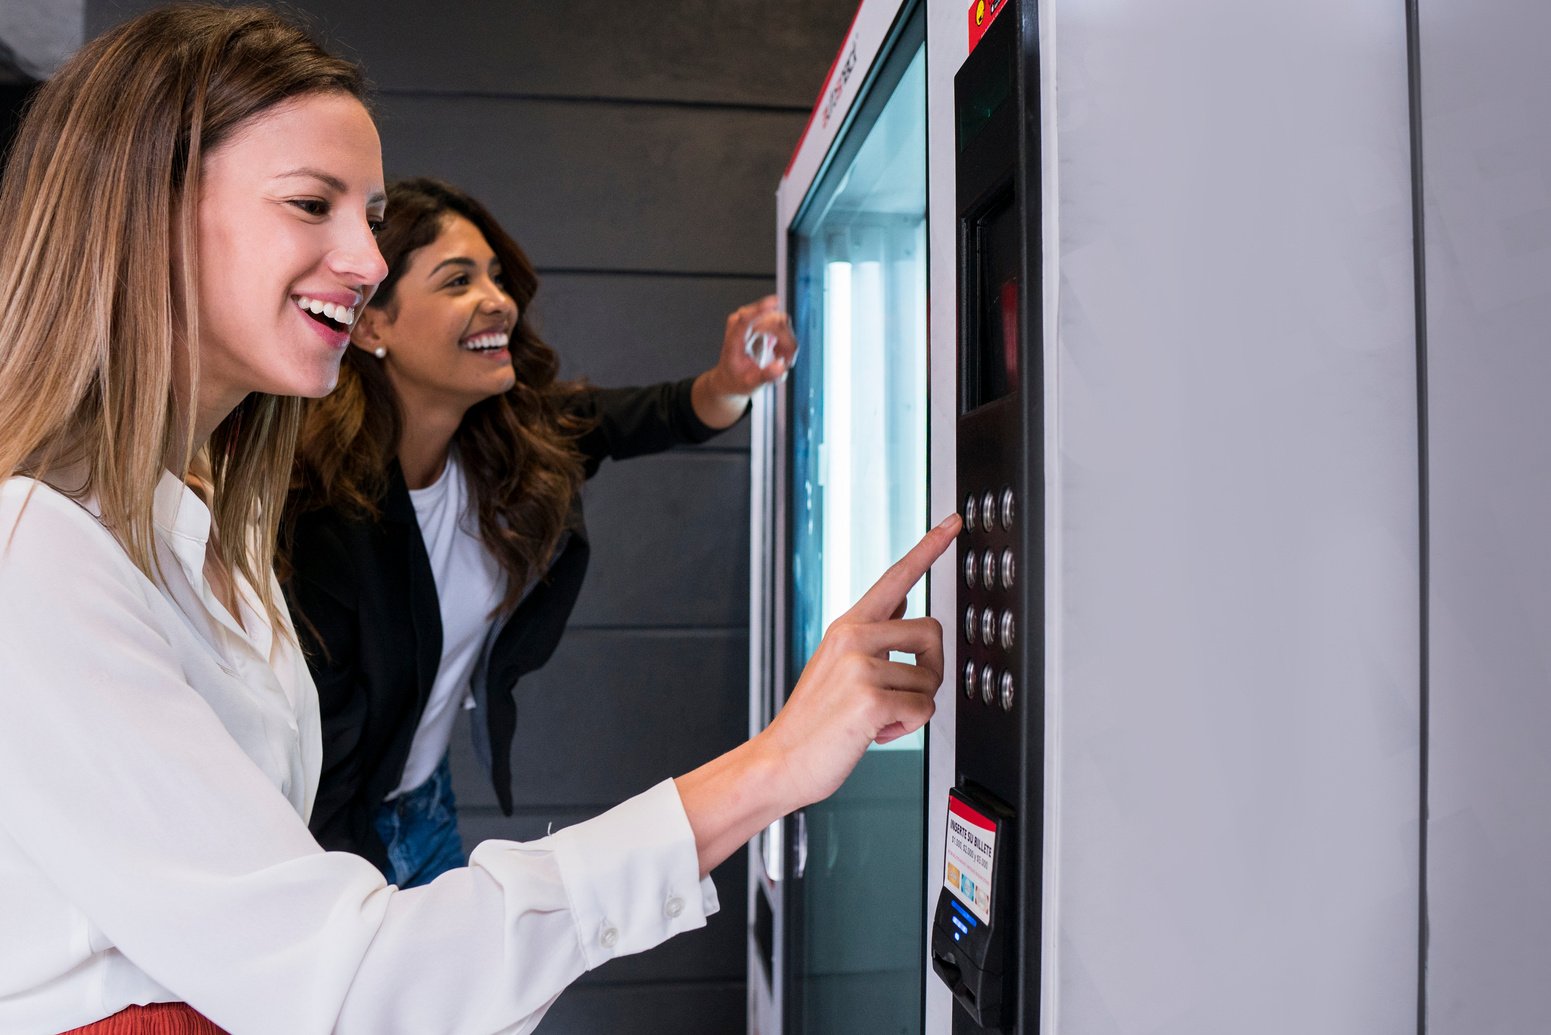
{"x": 420, "y": 830}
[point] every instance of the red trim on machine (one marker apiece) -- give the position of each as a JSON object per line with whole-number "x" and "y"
{"x": 824, "y": 91}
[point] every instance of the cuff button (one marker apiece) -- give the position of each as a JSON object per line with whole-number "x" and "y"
{"x": 609, "y": 936}
{"x": 673, "y": 907}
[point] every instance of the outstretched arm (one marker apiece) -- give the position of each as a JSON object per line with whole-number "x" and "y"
{"x": 849, "y": 696}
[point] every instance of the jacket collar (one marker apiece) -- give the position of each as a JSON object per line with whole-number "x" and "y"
{"x": 396, "y": 504}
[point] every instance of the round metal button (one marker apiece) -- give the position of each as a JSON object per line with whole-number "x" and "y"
{"x": 969, "y": 680}
{"x": 1007, "y": 691}
{"x": 988, "y": 510}
{"x": 969, "y": 512}
{"x": 1007, "y": 569}
{"x": 1007, "y": 509}
{"x": 987, "y": 627}
{"x": 988, "y": 568}
{"x": 969, "y": 624}
{"x": 1007, "y": 630}
{"x": 971, "y": 569}
{"x": 987, "y": 684}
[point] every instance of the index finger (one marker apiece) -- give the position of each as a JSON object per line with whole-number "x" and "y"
{"x": 887, "y": 594}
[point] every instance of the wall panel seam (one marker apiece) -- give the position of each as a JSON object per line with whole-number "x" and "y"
{"x": 617, "y": 271}
{"x": 736, "y": 107}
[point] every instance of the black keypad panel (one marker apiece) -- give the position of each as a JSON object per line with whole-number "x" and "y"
{"x": 989, "y": 629}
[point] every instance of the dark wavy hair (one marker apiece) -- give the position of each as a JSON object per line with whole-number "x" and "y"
{"x": 518, "y": 449}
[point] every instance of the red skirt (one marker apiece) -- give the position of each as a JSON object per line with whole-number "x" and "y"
{"x": 156, "y": 1019}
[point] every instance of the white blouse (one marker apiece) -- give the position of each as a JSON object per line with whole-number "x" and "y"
{"x": 157, "y": 763}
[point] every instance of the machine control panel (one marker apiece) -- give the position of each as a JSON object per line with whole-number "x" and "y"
{"x": 990, "y": 627}
{"x": 985, "y": 933}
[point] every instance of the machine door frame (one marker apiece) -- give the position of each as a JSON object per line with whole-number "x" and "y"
{"x": 778, "y": 854}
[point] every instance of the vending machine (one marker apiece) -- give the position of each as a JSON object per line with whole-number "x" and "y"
{"x": 1131, "y": 287}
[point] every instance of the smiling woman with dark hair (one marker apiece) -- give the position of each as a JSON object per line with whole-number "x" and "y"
{"x": 434, "y": 539}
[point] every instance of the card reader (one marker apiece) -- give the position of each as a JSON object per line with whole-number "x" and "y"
{"x": 970, "y": 931}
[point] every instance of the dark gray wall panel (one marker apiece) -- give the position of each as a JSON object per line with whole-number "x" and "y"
{"x": 711, "y": 1008}
{"x": 617, "y": 711}
{"x": 645, "y": 570}
{"x": 606, "y": 186}
{"x": 719, "y": 51}
{"x": 623, "y": 330}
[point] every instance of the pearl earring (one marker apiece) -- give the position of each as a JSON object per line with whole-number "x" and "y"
{"x": 380, "y": 352}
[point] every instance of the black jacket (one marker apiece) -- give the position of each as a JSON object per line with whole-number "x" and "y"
{"x": 366, "y": 611}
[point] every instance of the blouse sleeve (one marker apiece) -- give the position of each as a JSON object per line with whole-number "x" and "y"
{"x": 120, "y": 785}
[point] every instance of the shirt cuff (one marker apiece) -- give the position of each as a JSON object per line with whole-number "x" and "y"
{"x": 632, "y": 876}
{"x": 691, "y": 427}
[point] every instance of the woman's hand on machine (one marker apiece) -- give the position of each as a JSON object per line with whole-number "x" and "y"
{"x": 758, "y": 347}
{"x": 850, "y": 695}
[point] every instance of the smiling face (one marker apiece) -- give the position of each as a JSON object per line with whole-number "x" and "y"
{"x": 447, "y": 326}
{"x": 286, "y": 251}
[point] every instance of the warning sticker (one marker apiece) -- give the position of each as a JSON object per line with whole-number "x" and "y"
{"x": 971, "y": 844}
{"x": 981, "y": 14}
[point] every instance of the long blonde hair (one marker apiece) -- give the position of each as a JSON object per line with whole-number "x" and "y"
{"x": 98, "y": 271}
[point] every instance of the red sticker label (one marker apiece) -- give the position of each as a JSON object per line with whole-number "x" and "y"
{"x": 981, "y": 14}
{"x": 971, "y": 851}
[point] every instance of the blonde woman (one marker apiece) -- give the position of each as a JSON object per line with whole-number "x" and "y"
{"x": 185, "y": 241}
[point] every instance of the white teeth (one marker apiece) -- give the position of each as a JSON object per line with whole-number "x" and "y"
{"x": 486, "y": 342}
{"x": 334, "y": 311}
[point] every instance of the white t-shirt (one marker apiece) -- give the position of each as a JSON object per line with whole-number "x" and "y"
{"x": 469, "y": 583}
{"x": 157, "y": 763}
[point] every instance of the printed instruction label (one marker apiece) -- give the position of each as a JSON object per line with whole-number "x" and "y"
{"x": 971, "y": 845}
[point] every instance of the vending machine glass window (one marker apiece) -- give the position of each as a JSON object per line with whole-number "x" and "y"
{"x": 857, "y": 500}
